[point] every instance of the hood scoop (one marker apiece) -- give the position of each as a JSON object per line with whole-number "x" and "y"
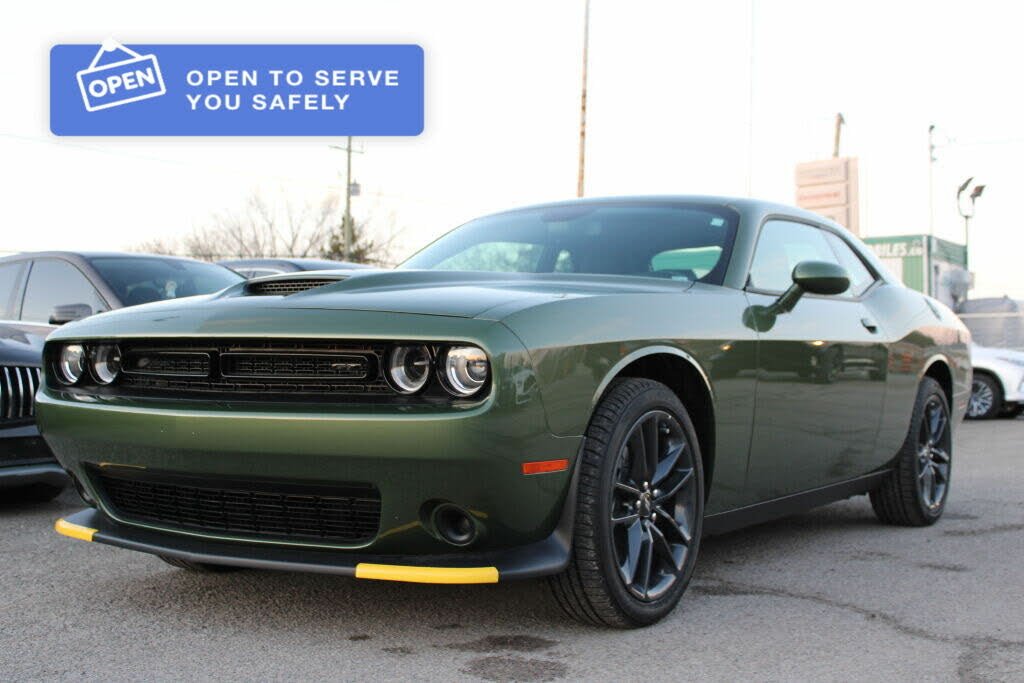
{"x": 286, "y": 286}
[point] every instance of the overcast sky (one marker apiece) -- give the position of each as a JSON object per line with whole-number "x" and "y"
{"x": 669, "y": 111}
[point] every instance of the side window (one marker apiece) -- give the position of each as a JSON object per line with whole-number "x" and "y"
{"x": 55, "y": 283}
{"x": 860, "y": 277}
{"x": 780, "y": 247}
{"x": 9, "y": 274}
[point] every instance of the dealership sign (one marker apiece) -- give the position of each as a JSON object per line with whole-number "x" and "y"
{"x": 829, "y": 188}
{"x": 330, "y": 90}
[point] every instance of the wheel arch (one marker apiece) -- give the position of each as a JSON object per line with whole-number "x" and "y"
{"x": 681, "y": 373}
{"x": 938, "y": 369}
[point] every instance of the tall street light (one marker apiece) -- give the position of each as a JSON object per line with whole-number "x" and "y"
{"x": 583, "y": 98}
{"x": 967, "y": 212}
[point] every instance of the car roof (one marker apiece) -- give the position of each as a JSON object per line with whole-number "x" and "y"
{"x": 742, "y": 204}
{"x": 300, "y": 263}
{"x": 87, "y": 255}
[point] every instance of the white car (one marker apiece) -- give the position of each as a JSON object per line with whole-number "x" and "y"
{"x": 998, "y": 386}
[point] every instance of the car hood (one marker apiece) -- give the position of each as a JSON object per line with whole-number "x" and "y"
{"x": 447, "y": 293}
{"x": 484, "y": 296}
{"x": 18, "y": 347}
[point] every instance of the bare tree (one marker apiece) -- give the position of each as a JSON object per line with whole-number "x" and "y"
{"x": 260, "y": 228}
{"x": 372, "y": 243}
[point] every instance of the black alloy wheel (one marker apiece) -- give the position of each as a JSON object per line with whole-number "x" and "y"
{"x": 639, "y": 509}
{"x": 915, "y": 492}
{"x": 653, "y": 505}
{"x": 933, "y": 454}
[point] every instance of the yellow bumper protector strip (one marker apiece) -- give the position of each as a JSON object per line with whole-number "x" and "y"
{"x": 74, "y": 530}
{"x": 394, "y": 572}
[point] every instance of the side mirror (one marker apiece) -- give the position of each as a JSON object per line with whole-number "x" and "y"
{"x": 69, "y": 312}
{"x": 814, "y": 277}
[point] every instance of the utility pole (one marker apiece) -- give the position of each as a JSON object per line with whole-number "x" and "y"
{"x": 931, "y": 179}
{"x": 583, "y": 98}
{"x": 839, "y": 131}
{"x": 750, "y": 103}
{"x": 346, "y": 221}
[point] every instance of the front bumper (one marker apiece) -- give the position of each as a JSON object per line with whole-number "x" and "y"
{"x": 548, "y": 556}
{"x": 25, "y": 459}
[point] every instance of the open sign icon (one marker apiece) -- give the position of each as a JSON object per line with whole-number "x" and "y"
{"x": 128, "y": 80}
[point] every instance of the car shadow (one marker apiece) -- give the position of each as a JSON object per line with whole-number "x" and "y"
{"x": 311, "y": 603}
{"x": 257, "y": 601}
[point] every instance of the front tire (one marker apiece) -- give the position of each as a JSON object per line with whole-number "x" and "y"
{"x": 915, "y": 492}
{"x": 639, "y": 510}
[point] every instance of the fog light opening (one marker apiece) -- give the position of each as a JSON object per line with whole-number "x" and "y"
{"x": 454, "y": 525}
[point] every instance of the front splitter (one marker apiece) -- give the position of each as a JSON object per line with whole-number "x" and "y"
{"x": 546, "y": 557}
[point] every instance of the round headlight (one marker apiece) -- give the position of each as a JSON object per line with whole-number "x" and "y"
{"x": 71, "y": 363}
{"x": 409, "y": 367}
{"x": 465, "y": 369}
{"x": 106, "y": 363}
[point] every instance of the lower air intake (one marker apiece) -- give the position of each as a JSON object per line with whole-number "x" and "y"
{"x": 341, "y": 514}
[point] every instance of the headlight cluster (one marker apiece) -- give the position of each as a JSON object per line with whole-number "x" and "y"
{"x": 103, "y": 361}
{"x": 462, "y": 370}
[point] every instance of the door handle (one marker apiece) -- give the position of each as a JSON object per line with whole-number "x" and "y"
{"x": 869, "y": 324}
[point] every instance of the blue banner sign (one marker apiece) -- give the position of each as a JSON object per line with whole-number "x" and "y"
{"x": 326, "y": 90}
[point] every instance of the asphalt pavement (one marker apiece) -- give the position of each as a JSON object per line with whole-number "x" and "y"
{"x": 826, "y": 595}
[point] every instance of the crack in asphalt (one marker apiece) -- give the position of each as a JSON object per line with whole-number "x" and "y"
{"x": 977, "y": 652}
{"x": 995, "y": 529}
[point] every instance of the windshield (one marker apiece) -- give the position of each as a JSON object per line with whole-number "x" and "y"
{"x": 141, "y": 279}
{"x": 648, "y": 239}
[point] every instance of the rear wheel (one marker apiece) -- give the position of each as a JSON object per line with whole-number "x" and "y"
{"x": 986, "y": 400}
{"x": 200, "y": 567}
{"x": 915, "y": 492}
{"x": 640, "y": 506}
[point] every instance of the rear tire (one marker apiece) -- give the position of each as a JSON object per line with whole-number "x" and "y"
{"x": 639, "y": 509}
{"x": 199, "y": 567}
{"x": 986, "y": 401}
{"x": 915, "y": 492}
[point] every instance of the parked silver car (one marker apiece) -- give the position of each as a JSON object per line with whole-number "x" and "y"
{"x": 998, "y": 386}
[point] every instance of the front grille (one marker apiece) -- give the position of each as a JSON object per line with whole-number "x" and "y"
{"x": 286, "y": 287}
{"x": 293, "y": 365}
{"x": 143, "y": 362}
{"x": 252, "y": 370}
{"x": 268, "y": 371}
{"x": 17, "y": 392}
{"x": 341, "y": 514}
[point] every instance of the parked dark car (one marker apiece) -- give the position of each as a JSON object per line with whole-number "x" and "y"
{"x": 39, "y": 291}
{"x": 43, "y": 289}
{"x": 259, "y": 267}
{"x": 537, "y": 393}
{"x": 28, "y": 470}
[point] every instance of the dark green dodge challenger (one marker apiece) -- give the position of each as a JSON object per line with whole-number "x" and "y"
{"x": 578, "y": 390}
